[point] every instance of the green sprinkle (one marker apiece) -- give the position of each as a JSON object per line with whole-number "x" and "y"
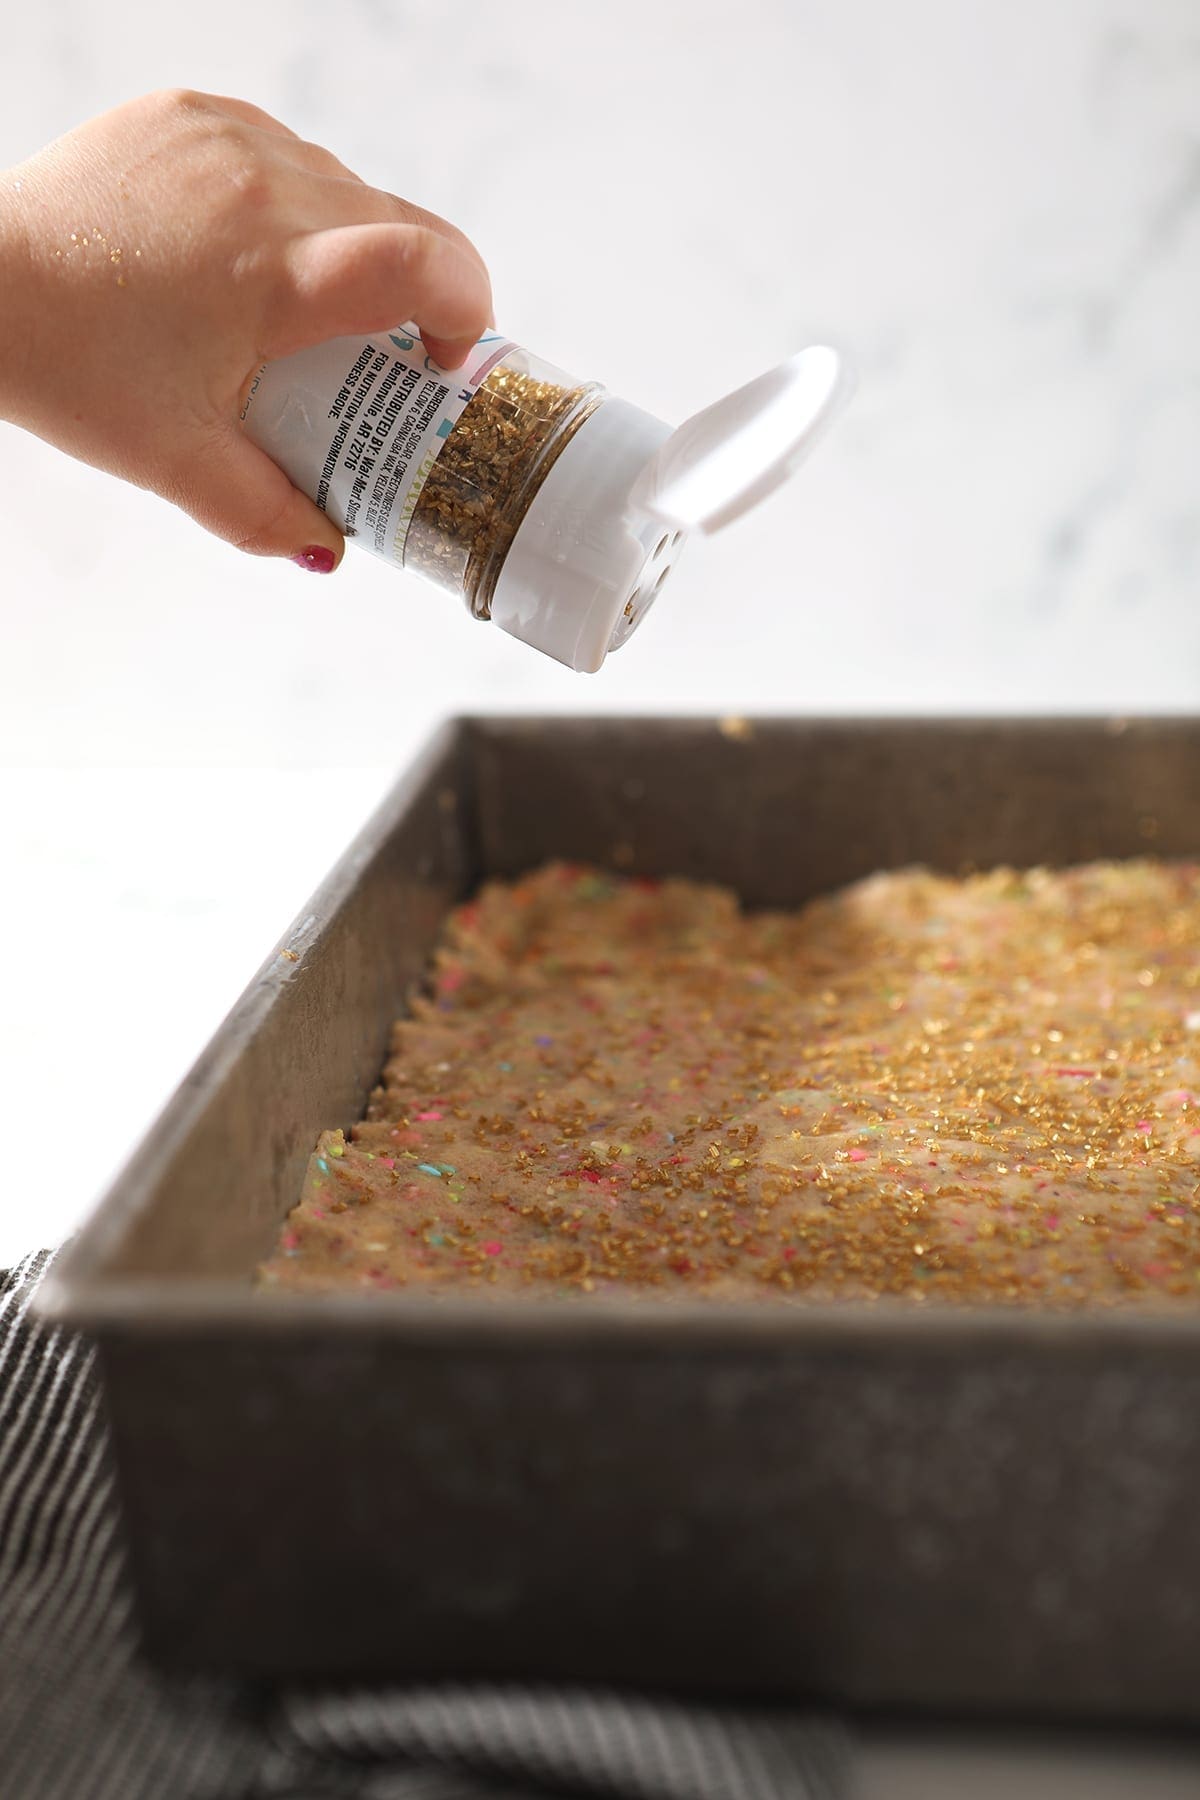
{"x": 337, "y": 1149}
{"x": 594, "y": 887}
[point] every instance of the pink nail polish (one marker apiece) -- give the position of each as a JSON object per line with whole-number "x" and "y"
{"x": 317, "y": 558}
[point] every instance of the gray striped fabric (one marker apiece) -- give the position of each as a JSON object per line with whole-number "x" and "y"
{"x": 82, "y": 1719}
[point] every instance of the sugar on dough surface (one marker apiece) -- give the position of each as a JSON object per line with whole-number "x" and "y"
{"x": 980, "y": 1090}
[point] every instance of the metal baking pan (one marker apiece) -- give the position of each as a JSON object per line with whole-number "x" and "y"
{"x": 882, "y": 1506}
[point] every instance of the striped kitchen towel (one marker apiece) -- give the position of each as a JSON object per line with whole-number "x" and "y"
{"x": 82, "y": 1718}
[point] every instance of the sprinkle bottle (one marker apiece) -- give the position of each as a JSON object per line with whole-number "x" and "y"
{"x": 550, "y": 506}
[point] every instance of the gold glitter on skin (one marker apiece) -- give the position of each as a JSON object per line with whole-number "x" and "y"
{"x": 981, "y": 1091}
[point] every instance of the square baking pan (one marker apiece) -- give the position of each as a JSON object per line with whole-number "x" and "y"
{"x": 880, "y": 1505}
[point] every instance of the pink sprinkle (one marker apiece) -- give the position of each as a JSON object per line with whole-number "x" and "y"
{"x": 1083, "y": 1073}
{"x": 430, "y": 1115}
{"x": 387, "y": 1162}
{"x": 1145, "y": 1126}
{"x": 1051, "y": 1221}
{"x": 290, "y": 1240}
{"x": 857, "y": 1155}
{"x": 788, "y": 1254}
{"x": 1155, "y": 1270}
{"x": 493, "y": 1247}
{"x": 318, "y": 1212}
{"x": 452, "y": 980}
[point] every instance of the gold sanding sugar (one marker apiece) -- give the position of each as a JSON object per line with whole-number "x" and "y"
{"x": 502, "y": 448}
{"x": 982, "y": 1091}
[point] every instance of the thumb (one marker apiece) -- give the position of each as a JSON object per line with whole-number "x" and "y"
{"x": 233, "y": 489}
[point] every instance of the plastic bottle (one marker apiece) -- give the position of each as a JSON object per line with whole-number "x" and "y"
{"x": 552, "y": 507}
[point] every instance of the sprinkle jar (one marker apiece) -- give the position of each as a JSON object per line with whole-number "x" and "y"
{"x": 551, "y": 507}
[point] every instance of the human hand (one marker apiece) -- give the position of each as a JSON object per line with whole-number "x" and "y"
{"x": 154, "y": 258}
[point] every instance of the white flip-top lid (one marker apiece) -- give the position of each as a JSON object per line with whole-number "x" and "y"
{"x": 724, "y": 460}
{"x": 607, "y": 523}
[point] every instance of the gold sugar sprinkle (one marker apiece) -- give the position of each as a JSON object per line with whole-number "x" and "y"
{"x": 617, "y": 1085}
{"x": 480, "y": 487}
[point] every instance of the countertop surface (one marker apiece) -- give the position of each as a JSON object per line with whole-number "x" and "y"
{"x": 137, "y": 904}
{"x": 995, "y": 1764}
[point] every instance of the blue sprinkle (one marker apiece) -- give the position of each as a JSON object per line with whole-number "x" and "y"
{"x": 429, "y": 1168}
{"x": 507, "y": 1067}
{"x": 448, "y": 1169}
{"x": 543, "y": 1041}
{"x": 435, "y": 1237}
{"x": 322, "y": 1165}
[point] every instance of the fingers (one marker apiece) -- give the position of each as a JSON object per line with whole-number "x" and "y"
{"x": 363, "y": 278}
{"x": 406, "y": 212}
{"x": 234, "y": 490}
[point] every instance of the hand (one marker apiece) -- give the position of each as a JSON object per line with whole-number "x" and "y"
{"x": 151, "y": 260}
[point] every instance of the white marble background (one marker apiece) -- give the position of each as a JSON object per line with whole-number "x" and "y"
{"x": 993, "y": 204}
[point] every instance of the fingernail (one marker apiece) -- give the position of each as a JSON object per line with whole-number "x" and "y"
{"x": 317, "y": 558}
